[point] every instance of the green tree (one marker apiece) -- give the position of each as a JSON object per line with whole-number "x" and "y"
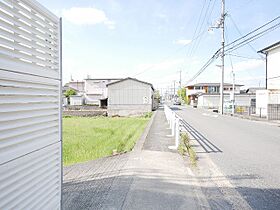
{"x": 157, "y": 95}
{"x": 70, "y": 92}
{"x": 182, "y": 94}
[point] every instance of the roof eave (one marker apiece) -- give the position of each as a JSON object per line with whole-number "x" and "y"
{"x": 270, "y": 47}
{"x": 131, "y": 79}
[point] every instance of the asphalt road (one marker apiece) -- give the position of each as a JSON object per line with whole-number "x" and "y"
{"x": 246, "y": 152}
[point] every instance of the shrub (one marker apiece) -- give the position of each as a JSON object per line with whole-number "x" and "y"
{"x": 185, "y": 147}
{"x": 70, "y": 92}
{"x": 148, "y": 115}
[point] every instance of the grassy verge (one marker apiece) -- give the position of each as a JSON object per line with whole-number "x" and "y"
{"x": 186, "y": 148}
{"x": 86, "y": 138}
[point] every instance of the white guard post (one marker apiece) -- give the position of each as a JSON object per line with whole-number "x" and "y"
{"x": 174, "y": 123}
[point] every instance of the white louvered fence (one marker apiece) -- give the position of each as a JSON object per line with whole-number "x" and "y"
{"x": 30, "y": 106}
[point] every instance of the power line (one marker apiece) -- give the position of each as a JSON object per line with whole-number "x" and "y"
{"x": 253, "y": 31}
{"x": 226, "y": 33}
{"x": 229, "y": 56}
{"x": 254, "y": 37}
{"x": 196, "y": 44}
{"x": 237, "y": 29}
{"x": 208, "y": 63}
{"x": 238, "y": 45}
{"x": 212, "y": 8}
{"x": 199, "y": 27}
{"x": 274, "y": 77}
{"x": 198, "y": 22}
{"x": 245, "y": 57}
{"x": 206, "y": 16}
{"x": 194, "y": 38}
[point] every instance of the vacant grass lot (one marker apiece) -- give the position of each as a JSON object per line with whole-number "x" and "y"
{"x": 86, "y": 138}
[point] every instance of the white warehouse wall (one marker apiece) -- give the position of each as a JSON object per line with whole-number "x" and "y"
{"x": 273, "y": 69}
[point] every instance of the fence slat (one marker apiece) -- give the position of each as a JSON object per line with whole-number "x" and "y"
{"x": 30, "y": 106}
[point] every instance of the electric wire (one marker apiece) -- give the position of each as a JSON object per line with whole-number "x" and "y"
{"x": 254, "y": 37}
{"x": 198, "y": 23}
{"x": 237, "y": 29}
{"x": 196, "y": 44}
{"x": 238, "y": 45}
{"x": 245, "y": 57}
{"x": 251, "y": 32}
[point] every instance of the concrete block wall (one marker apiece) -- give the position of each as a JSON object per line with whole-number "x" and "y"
{"x": 273, "y": 112}
{"x": 128, "y": 110}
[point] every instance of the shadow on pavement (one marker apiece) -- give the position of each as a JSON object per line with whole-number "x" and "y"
{"x": 207, "y": 146}
{"x": 120, "y": 192}
{"x": 175, "y": 108}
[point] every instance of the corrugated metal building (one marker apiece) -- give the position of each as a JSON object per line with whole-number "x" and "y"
{"x": 129, "y": 96}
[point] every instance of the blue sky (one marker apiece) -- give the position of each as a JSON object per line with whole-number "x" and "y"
{"x": 152, "y": 40}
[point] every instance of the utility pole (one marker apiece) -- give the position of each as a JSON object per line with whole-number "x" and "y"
{"x": 174, "y": 81}
{"x": 222, "y": 26}
{"x": 180, "y": 79}
{"x": 233, "y": 92}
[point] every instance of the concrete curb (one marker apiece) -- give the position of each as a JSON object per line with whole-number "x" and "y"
{"x": 139, "y": 144}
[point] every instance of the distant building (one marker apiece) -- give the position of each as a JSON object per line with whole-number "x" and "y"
{"x": 130, "y": 96}
{"x": 212, "y": 101}
{"x": 78, "y": 86}
{"x": 96, "y": 90}
{"x": 252, "y": 90}
{"x": 268, "y": 101}
{"x": 193, "y": 91}
{"x": 76, "y": 100}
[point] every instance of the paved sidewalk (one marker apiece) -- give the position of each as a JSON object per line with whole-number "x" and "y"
{"x": 151, "y": 178}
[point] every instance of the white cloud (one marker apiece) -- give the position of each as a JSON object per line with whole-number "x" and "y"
{"x": 183, "y": 41}
{"x": 87, "y": 16}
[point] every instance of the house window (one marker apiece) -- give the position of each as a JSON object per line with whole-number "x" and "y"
{"x": 217, "y": 89}
{"x": 211, "y": 89}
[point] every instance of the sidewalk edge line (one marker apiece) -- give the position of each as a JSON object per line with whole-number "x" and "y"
{"x": 139, "y": 144}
